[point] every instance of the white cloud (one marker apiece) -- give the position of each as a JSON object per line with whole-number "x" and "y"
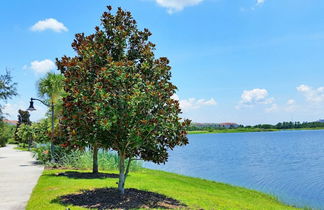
{"x": 49, "y": 24}
{"x": 193, "y": 103}
{"x": 259, "y": 2}
{"x": 291, "y": 106}
{"x": 312, "y": 95}
{"x": 177, "y": 5}
{"x": 41, "y": 67}
{"x": 303, "y": 88}
{"x": 11, "y": 110}
{"x": 250, "y": 98}
{"x": 291, "y": 102}
{"x": 272, "y": 108}
{"x": 255, "y": 96}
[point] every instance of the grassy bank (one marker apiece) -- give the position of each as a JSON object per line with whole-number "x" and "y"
{"x": 244, "y": 130}
{"x": 195, "y": 193}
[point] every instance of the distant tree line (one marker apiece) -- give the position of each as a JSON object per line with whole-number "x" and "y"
{"x": 209, "y": 126}
{"x": 291, "y": 125}
{"x": 280, "y": 125}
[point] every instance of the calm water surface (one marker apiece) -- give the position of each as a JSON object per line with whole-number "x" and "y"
{"x": 287, "y": 164}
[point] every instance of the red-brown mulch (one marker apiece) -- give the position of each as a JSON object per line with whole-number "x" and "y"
{"x": 110, "y": 198}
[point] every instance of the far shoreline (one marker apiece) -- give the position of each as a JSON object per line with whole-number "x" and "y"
{"x": 248, "y": 130}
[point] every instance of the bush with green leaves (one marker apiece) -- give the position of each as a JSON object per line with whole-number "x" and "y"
{"x": 6, "y": 133}
{"x": 79, "y": 159}
{"x": 41, "y": 131}
{"x": 37, "y": 132}
{"x": 25, "y": 134}
{"x": 42, "y": 153}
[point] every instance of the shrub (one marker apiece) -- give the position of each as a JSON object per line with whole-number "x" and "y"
{"x": 6, "y": 133}
{"x": 25, "y": 134}
{"x": 2, "y": 142}
{"x": 42, "y": 153}
{"x": 79, "y": 159}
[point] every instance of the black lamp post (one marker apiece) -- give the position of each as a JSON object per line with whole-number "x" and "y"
{"x": 31, "y": 108}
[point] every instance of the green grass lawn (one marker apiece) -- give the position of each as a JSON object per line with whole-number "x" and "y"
{"x": 195, "y": 193}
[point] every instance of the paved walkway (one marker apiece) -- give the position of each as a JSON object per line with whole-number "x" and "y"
{"x": 18, "y": 176}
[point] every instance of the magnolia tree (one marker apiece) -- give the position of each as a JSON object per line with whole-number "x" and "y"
{"x": 119, "y": 96}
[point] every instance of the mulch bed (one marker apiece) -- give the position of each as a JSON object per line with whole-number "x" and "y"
{"x": 85, "y": 175}
{"x": 109, "y": 198}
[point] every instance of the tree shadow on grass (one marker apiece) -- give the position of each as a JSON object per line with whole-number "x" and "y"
{"x": 109, "y": 198}
{"x": 86, "y": 175}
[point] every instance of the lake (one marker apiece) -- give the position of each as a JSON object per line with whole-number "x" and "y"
{"x": 286, "y": 164}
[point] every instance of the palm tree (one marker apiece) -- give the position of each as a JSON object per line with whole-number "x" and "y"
{"x": 51, "y": 89}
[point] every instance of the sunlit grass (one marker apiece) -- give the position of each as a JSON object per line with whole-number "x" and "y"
{"x": 194, "y": 192}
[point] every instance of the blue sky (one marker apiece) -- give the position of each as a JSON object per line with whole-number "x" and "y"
{"x": 241, "y": 61}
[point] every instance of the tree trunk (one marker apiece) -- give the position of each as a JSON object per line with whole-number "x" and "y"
{"x": 95, "y": 160}
{"x": 121, "y": 182}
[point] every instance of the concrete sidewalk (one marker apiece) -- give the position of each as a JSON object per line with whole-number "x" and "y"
{"x": 18, "y": 176}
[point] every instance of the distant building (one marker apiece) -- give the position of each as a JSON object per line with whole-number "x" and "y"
{"x": 10, "y": 122}
{"x": 228, "y": 125}
{"x": 321, "y": 121}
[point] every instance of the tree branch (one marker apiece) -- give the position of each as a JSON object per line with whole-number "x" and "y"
{"x": 127, "y": 168}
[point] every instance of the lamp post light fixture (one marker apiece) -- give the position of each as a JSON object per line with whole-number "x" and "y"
{"x": 32, "y": 108}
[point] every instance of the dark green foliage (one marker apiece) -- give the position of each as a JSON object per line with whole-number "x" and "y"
{"x": 42, "y": 131}
{"x": 6, "y": 133}
{"x": 119, "y": 94}
{"x": 292, "y": 125}
{"x": 7, "y": 91}
{"x": 23, "y": 118}
{"x": 25, "y": 134}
